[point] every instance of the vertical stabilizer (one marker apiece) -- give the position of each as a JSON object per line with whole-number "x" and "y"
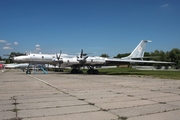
{"x": 138, "y": 52}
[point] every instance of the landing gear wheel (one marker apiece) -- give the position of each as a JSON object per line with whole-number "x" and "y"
{"x": 95, "y": 71}
{"x": 28, "y": 72}
{"x": 59, "y": 70}
{"x": 73, "y": 71}
{"x": 92, "y": 71}
{"x": 76, "y": 71}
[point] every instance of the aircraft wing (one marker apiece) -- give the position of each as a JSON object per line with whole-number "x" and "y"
{"x": 117, "y": 61}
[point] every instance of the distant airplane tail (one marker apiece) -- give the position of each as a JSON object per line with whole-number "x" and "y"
{"x": 138, "y": 52}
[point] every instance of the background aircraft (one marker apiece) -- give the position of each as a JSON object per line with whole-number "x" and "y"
{"x": 15, "y": 65}
{"x": 76, "y": 62}
{"x": 25, "y": 66}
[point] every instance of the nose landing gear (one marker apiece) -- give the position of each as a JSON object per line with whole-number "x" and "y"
{"x": 28, "y": 72}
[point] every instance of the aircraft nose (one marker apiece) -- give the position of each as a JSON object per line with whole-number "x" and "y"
{"x": 20, "y": 58}
{"x": 14, "y": 59}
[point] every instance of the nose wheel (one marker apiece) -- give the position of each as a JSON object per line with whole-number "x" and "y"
{"x": 28, "y": 72}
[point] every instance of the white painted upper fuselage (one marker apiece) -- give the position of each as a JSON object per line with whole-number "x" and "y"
{"x": 65, "y": 60}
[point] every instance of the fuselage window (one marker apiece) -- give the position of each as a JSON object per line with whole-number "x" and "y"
{"x": 42, "y": 56}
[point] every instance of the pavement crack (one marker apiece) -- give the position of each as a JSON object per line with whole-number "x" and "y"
{"x": 15, "y": 109}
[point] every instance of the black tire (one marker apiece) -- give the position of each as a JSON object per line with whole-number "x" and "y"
{"x": 95, "y": 71}
{"x": 28, "y": 72}
{"x": 90, "y": 71}
{"x": 73, "y": 71}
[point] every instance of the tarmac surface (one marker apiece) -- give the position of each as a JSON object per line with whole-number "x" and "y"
{"x": 57, "y": 96}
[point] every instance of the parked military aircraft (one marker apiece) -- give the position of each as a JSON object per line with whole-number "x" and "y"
{"x": 76, "y": 62}
{"x": 15, "y": 65}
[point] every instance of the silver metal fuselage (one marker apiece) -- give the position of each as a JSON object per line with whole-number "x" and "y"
{"x": 65, "y": 60}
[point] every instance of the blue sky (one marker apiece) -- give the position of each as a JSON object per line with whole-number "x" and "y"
{"x": 96, "y": 26}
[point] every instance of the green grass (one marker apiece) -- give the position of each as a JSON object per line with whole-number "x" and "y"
{"x": 166, "y": 74}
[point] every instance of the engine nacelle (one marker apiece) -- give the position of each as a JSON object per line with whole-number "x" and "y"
{"x": 56, "y": 60}
{"x": 96, "y": 62}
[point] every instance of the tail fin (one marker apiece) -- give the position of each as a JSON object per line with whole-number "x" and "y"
{"x": 138, "y": 52}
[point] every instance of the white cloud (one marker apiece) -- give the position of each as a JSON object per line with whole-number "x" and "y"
{"x": 7, "y": 48}
{"x": 15, "y": 43}
{"x": 3, "y": 41}
{"x": 38, "y": 49}
{"x": 37, "y": 45}
{"x": 164, "y": 5}
{"x": 8, "y": 44}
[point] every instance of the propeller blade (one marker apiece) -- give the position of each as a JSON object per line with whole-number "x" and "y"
{"x": 58, "y": 56}
{"x": 81, "y": 53}
{"x": 60, "y": 53}
{"x": 85, "y": 57}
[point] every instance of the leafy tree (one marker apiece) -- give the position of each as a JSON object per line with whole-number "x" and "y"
{"x": 147, "y": 54}
{"x": 16, "y": 54}
{"x": 174, "y": 55}
{"x": 162, "y": 55}
{"x": 8, "y": 61}
{"x": 155, "y": 55}
{"x": 105, "y": 55}
{"x": 122, "y": 55}
{"x": 168, "y": 57}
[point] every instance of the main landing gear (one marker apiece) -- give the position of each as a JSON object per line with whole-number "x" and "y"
{"x": 92, "y": 71}
{"x": 58, "y": 70}
{"x": 28, "y": 71}
{"x": 76, "y": 71}
{"x": 89, "y": 71}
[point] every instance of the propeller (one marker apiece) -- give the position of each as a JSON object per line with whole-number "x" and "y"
{"x": 81, "y": 57}
{"x": 59, "y": 58}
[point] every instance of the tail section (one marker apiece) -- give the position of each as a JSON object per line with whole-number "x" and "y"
{"x": 138, "y": 52}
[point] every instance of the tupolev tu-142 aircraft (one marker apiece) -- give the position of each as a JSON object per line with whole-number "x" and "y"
{"x": 76, "y": 62}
